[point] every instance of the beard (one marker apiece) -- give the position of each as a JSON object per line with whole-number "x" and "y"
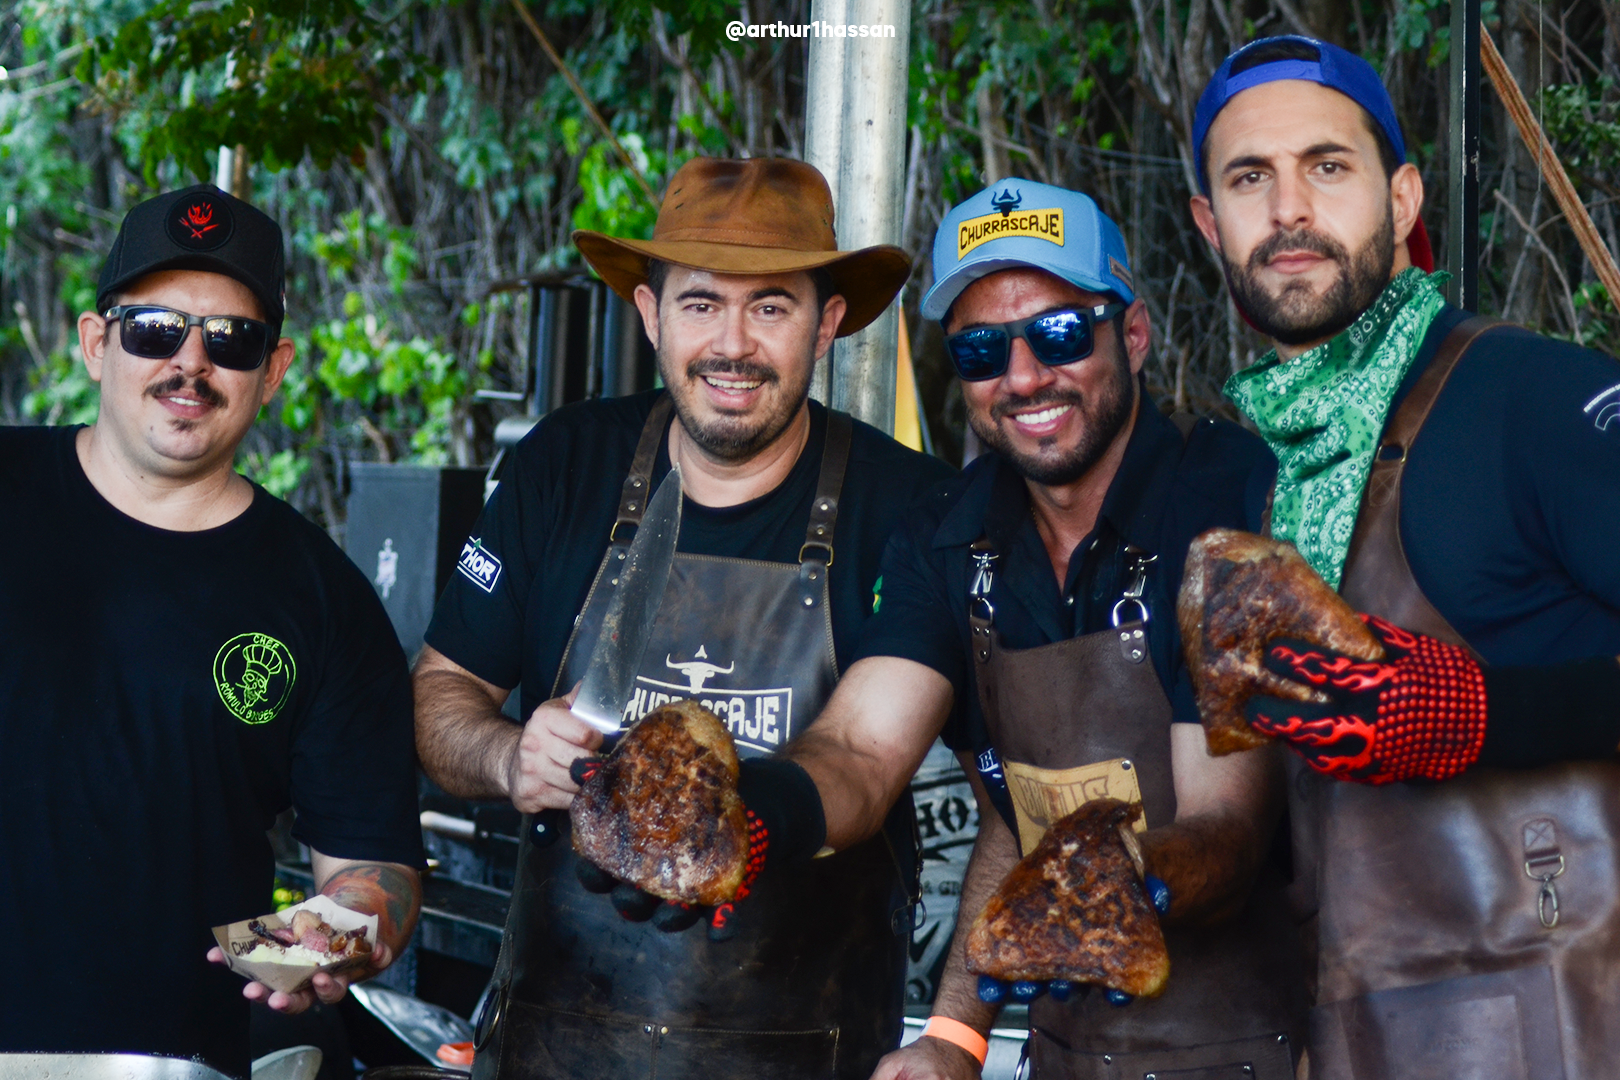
{"x": 1295, "y": 315}
{"x": 1105, "y": 417}
{"x": 736, "y": 436}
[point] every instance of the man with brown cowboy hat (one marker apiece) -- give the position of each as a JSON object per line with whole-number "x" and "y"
{"x": 742, "y": 289}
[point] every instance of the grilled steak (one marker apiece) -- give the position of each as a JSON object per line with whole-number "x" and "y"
{"x": 1075, "y": 908}
{"x": 662, "y": 812}
{"x": 1239, "y": 592}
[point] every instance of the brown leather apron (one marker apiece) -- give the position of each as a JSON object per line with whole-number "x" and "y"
{"x": 1086, "y": 718}
{"x": 1466, "y": 930}
{"x": 812, "y": 984}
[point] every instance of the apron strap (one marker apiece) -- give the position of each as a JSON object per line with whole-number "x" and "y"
{"x": 824, "y": 508}
{"x": 638, "y": 485}
{"x": 1377, "y": 576}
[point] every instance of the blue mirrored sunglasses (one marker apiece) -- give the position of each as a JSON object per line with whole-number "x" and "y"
{"x": 1055, "y": 337}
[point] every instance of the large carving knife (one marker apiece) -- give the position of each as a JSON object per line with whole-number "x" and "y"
{"x": 610, "y": 678}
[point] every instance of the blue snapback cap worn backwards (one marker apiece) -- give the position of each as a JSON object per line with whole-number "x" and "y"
{"x": 1332, "y": 67}
{"x": 1016, "y": 223}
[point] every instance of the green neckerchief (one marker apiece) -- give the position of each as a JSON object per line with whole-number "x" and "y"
{"x": 1323, "y": 411}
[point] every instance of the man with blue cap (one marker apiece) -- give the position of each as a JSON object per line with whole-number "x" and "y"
{"x": 1027, "y": 607}
{"x": 1458, "y": 480}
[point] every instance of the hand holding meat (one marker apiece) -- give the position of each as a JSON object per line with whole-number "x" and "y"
{"x": 1075, "y": 910}
{"x": 1239, "y": 593}
{"x": 1275, "y": 653}
{"x": 660, "y": 817}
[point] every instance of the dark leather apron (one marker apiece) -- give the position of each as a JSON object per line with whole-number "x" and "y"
{"x": 812, "y": 985}
{"x": 1086, "y": 718}
{"x": 1466, "y": 930}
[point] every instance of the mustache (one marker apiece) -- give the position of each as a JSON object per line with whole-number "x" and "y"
{"x": 200, "y": 388}
{"x": 1018, "y": 403}
{"x": 1297, "y": 240}
{"x": 737, "y": 369}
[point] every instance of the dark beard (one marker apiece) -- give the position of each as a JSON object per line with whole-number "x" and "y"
{"x": 1295, "y": 316}
{"x": 734, "y": 438}
{"x": 1104, "y": 419}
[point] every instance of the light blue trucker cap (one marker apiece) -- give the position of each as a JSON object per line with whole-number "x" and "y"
{"x": 1015, "y": 223}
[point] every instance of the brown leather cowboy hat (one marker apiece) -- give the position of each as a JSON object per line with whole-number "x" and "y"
{"x": 759, "y": 216}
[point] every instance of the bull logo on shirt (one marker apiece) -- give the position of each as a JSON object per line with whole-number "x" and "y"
{"x": 254, "y": 676}
{"x": 698, "y": 670}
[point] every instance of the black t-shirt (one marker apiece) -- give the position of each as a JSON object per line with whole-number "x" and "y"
{"x": 163, "y": 696}
{"x": 544, "y": 530}
{"x": 1510, "y": 506}
{"x": 1166, "y": 492}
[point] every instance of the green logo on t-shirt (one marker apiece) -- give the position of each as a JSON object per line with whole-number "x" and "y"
{"x": 877, "y": 594}
{"x": 254, "y": 674}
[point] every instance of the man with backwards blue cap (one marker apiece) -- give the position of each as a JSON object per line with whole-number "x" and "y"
{"x": 1459, "y": 481}
{"x": 1030, "y": 602}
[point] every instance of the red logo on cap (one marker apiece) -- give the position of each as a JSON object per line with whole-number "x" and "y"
{"x": 197, "y": 220}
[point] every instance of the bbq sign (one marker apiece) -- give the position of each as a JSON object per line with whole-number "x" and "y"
{"x": 759, "y": 719}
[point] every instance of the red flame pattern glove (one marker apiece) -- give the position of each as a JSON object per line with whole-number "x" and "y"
{"x": 1417, "y": 713}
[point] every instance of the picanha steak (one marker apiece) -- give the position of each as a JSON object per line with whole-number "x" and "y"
{"x": 663, "y": 813}
{"x": 1239, "y": 592}
{"x": 1075, "y": 908}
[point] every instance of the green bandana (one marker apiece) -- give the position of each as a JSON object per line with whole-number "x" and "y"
{"x": 1323, "y": 411}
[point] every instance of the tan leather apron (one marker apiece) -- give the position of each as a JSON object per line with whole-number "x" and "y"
{"x": 812, "y": 984}
{"x": 1466, "y": 930}
{"x": 1086, "y": 718}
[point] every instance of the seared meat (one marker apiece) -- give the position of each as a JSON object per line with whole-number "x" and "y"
{"x": 662, "y": 812}
{"x": 1239, "y": 592}
{"x": 1075, "y": 908}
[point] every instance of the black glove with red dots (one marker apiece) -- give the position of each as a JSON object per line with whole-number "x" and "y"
{"x": 785, "y": 824}
{"x": 1418, "y": 713}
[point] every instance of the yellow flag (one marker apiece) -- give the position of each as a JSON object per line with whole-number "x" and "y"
{"x": 907, "y": 425}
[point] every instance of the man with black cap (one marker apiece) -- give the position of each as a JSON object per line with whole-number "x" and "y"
{"x": 1457, "y": 480}
{"x": 1028, "y": 607}
{"x": 182, "y": 657}
{"x": 742, "y": 289}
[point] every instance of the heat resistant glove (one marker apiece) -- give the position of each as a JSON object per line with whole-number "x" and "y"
{"x": 993, "y": 991}
{"x": 785, "y": 824}
{"x": 1417, "y": 713}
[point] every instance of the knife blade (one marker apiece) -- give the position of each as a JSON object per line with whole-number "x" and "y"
{"x": 610, "y": 676}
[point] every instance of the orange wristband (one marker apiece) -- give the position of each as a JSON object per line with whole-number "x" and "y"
{"x": 958, "y": 1034}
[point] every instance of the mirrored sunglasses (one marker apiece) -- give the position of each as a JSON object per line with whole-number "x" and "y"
{"x": 157, "y": 333}
{"x": 1055, "y": 337}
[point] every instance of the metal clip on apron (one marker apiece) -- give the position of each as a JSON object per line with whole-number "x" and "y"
{"x": 1468, "y": 928}
{"x": 1083, "y": 719}
{"x": 812, "y": 985}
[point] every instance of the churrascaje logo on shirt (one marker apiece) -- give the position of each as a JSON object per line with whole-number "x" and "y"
{"x": 478, "y": 565}
{"x": 254, "y": 675}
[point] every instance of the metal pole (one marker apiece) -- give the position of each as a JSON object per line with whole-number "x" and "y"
{"x": 824, "y": 131}
{"x": 868, "y": 195}
{"x": 1462, "y": 234}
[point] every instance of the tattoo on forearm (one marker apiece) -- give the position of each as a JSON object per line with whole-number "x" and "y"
{"x": 381, "y": 889}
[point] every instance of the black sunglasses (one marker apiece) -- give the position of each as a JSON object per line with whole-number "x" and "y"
{"x": 1056, "y": 338}
{"x": 158, "y": 332}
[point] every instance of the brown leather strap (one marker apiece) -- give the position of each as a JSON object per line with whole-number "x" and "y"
{"x": 824, "y": 509}
{"x": 1377, "y": 576}
{"x": 638, "y": 484}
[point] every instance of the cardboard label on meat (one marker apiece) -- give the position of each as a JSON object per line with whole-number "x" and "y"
{"x": 1042, "y": 796}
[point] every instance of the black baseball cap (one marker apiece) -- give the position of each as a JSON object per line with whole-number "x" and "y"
{"x": 200, "y": 228}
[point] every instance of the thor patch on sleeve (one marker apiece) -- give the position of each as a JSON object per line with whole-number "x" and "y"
{"x": 478, "y": 565}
